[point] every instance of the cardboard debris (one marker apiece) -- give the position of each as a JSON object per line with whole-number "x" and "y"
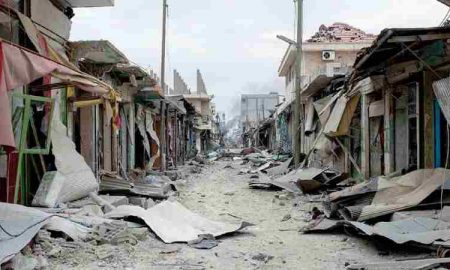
{"x": 172, "y": 222}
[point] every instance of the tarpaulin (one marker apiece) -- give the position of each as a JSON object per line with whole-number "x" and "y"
{"x": 19, "y": 67}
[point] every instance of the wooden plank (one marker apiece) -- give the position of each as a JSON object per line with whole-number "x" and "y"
{"x": 162, "y": 133}
{"x": 376, "y": 108}
{"x": 428, "y": 136}
{"x": 107, "y": 155}
{"x": 355, "y": 164}
{"x": 131, "y": 139}
{"x": 86, "y": 135}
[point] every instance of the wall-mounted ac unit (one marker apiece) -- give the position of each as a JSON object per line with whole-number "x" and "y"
{"x": 328, "y": 55}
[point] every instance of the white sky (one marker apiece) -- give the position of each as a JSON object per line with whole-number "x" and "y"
{"x": 233, "y": 41}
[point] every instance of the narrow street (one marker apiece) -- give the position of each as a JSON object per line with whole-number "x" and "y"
{"x": 221, "y": 194}
{"x": 197, "y": 135}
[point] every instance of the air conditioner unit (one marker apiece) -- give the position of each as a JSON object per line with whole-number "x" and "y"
{"x": 328, "y": 55}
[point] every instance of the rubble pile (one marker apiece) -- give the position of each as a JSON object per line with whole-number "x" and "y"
{"x": 100, "y": 226}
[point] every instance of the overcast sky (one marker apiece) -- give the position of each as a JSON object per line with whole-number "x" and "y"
{"x": 233, "y": 41}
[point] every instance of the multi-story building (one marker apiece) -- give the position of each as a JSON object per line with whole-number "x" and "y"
{"x": 330, "y": 53}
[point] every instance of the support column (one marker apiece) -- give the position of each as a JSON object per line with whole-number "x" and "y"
{"x": 427, "y": 137}
{"x": 365, "y": 137}
{"x": 183, "y": 140}
{"x": 168, "y": 142}
{"x": 389, "y": 136}
{"x": 162, "y": 135}
{"x": 131, "y": 138}
{"x": 177, "y": 140}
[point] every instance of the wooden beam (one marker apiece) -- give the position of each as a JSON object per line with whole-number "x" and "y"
{"x": 162, "y": 135}
{"x": 365, "y": 137}
{"x": 389, "y": 135}
{"x": 428, "y": 133}
{"x": 429, "y": 37}
{"x": 445, "y": 2}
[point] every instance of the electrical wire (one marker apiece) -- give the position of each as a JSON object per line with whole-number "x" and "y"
{"x": 446, "y": 17}
{"x": 26, "y": 229}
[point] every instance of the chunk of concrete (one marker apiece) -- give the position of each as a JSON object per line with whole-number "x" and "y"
{"x": 138, "y": 201}
{"x": 149, "y": 203}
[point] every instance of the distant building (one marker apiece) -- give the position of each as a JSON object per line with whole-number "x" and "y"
{"x": 330, "y": 52}
{"x": 255, "y": 110}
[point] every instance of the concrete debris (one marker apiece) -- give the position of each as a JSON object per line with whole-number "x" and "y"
{"x": 286, "y": 218}
{"x": 423, "y": 264}
{"x": 261, "y": 258}
{"x": 21, "y": 262}
{"x": 114, "y": 233}
{"x": 341, "y": 32}
{"x": 49, "y": 189}
{"x": 113, "y": 200}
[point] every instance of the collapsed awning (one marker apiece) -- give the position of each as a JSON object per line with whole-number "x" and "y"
{"x": 19, "y": 67}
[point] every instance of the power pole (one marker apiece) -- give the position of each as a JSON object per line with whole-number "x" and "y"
{"x": 298, "y": 112}
{"x": 163, "y": 87}
{"x": 163, "y": 48}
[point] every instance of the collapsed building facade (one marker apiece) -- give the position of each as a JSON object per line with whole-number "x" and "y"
{"x": 69, "y": 103}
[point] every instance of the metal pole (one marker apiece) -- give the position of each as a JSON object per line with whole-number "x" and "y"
{"x": 163, "y": 48}
{"x": 298, "y": 113}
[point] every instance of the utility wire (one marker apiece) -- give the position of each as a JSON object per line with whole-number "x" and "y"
{"x": 446, "y": 17}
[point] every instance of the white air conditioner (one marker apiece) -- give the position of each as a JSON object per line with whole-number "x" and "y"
{"x": 328, "y": 55}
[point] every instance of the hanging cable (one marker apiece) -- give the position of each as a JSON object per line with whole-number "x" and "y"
{"x": 446, "y": 17}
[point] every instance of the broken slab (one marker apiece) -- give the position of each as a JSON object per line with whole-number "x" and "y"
{"x": 172, "y": 222}
{"x": 286, "y": 182}
{"x": 282, "y": 169}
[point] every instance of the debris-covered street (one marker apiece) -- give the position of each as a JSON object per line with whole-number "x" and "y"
{"x": 225, "y": 134}
{"x": 220, "y": 193}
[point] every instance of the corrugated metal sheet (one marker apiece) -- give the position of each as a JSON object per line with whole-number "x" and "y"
{"x": 442, "y": 92}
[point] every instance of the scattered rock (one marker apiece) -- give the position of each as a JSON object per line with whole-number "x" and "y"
{"x": 230, "y": 193}
{"x": 286, "y": 218}
{"x": 261, "y": 257}
{"x": 170, "y": 250}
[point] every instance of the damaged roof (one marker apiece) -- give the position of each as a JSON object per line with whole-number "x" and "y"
{"x": 390, "y": 44}
{"x": 97, "y": 51}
